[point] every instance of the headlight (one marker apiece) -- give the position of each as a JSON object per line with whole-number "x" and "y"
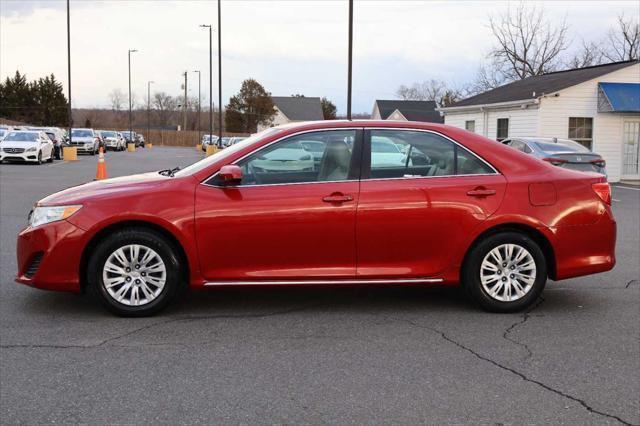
{"x": 33, "y": 148}
{"x": 42, "y": 215}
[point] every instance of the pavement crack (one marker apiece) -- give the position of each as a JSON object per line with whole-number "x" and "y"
{"x": 515, "y": 372}
{"x": 630, "y": 283}
{"x": 512, "y": 327}
{"x": 159, "y": 323}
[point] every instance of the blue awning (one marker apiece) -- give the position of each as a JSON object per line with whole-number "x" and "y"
{"x": 618, "y": 97}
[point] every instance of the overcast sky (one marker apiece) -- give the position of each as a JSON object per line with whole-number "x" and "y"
{"x": 288, "y": 46}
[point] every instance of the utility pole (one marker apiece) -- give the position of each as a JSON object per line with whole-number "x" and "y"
{"x": 210, "y": 82}
{"x": 149, "y": 110}
{"x": 69, "y": 66}
{"x": 350, "y": 59}
{"x": 199, "y": 101}
{"x": 130, "y": 125}
{"x": 184, "y": 107}
{"x": 220, "y": 73}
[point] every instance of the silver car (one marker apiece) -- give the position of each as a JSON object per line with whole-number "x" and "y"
{"x": 560, "y": 152}
{"x": 85, "y": 140}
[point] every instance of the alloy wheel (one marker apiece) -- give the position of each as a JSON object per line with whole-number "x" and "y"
{"x": 134, "y": 275}
{"x": 508, "y": 272}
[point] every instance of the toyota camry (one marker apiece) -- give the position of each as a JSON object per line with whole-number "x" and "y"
{"x": 458, "y": 210}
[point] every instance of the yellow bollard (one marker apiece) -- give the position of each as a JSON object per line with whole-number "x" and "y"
{"x": 211, "y": 149}
{"x": 199, "y": 147}
{"x": 149, "y": 145}
{"x": 131, "y": 147}
{"x": 69, "y": 153}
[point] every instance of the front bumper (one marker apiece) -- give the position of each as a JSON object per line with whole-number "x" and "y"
{"x": 49, "y": 256}
{"x": 84, "y": 148}
{"x": 24, "y": 156}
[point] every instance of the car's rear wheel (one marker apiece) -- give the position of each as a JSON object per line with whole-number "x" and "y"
{"x": 39, "y": 160}
{"x": 506, "y": 272}
{"x": 135, "y": 272}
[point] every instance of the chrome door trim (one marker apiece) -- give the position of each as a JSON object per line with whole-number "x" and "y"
{"x": 325, "y": 282}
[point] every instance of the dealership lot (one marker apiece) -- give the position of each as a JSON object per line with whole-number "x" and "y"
{"x": 350, "y": 355}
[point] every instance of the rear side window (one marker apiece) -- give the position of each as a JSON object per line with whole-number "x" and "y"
{"x": 407, "y": 153}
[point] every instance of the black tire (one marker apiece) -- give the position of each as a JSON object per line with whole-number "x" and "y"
{"x": 151, "y": 239}
{"x": 471, "y": 273}
{"x": 50, "y": 159}
{"x": 39, "y": 158}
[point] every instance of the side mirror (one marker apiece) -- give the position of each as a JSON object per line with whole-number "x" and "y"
{"x": 230, "y": 174}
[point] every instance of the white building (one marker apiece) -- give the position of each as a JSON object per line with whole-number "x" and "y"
{"x": 290, "y": 109}
{"x": 598, "y": 106}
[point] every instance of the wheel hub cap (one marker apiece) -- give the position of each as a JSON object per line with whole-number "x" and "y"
{"x": 508, "y": 272}
{"x": 134, "y": 275}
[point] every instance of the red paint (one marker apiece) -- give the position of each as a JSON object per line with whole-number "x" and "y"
{"x": 395, "y": 228}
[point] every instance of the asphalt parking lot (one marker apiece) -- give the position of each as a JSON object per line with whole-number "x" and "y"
{"x": 307, "y": 356}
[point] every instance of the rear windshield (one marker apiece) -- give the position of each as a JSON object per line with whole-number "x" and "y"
{"x": 21, "y": 137}
{"x": 561, "y": 146}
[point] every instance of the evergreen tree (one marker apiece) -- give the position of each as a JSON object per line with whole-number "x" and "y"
{"x": 40, "y": 102}
{"x": 249, "y": 108}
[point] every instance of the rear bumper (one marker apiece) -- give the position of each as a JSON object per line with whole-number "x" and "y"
{"x": 587, "y": 249}
{"x": 49, "y": 256}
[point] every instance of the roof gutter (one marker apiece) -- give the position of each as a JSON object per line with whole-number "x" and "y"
{"x": 482, "y": 107}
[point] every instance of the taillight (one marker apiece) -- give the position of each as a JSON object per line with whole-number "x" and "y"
{"x": 555, "y": 161}
{"x": 603, "y": 190}
{"x": 599, "y": 163}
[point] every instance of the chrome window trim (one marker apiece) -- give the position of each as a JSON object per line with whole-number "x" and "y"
{"x": 204, "y": 182}
{"x": 495, "y": 171}
{"x": 325, "y": 282}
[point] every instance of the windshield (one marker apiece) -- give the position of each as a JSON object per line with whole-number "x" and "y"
{"x": 21, "y": 137}
{"x": 204, "y": 163}
{"x": 565, "y": 145}
{"x": 81, "y": 133}
{"x": 108, "y": 134}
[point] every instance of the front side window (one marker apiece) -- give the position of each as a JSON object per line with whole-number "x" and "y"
{"x": 581, "y": 130}
{"x": 470, "y": 125}
{"x": 502, "y": 131}
{"x": 407, "y": 153}
{"x": 309, "y": 157}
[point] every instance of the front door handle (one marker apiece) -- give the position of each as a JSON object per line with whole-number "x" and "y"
{"x": 481, "y": 192}
{"x": 337, "y": 197}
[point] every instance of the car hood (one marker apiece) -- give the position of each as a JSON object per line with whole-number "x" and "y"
{"x": 25, "y": 145}
{"x": 105, "y": 189}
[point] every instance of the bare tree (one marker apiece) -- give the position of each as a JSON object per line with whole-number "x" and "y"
{"x": 165, "y": 105}
{"x": 527, "y": 44}
{"x": 623, "y": 43}
{"x": 589, "y": 54}
{"x": 431, "y": 90}
{"x": 117, "y": 99}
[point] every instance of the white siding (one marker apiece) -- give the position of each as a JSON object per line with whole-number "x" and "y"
{"x": 581, "y": 100}
{"x": 522, "y": 122}
{"x": 396, "y": 115}
{"x": 278, "y": 119}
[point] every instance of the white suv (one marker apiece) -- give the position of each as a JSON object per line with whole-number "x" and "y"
{"x": 26, "y": 145}
{"x": 85, "y": 140}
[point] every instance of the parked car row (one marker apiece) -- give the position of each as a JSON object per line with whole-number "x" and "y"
{"x": 38, "y": 144}
{"x": 227, "y": 141}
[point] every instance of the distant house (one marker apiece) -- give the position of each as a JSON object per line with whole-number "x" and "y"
{"x": 290, "y": 109}
{"x": 598, "y": 106}
{"x": 406, "y": 111}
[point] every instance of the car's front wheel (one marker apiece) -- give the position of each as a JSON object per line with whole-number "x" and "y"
{"x": 135, "y": 272}
{"x": 505, "y": 272}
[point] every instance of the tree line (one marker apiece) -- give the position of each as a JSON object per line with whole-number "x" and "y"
{"x": 526, "y": 44}
{"x": 39, "y": 102}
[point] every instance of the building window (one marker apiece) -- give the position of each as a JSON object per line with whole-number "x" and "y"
{"x": 470, "y": 125}
{"x": 581, "y": 130}
{"x": 502, "y": 132}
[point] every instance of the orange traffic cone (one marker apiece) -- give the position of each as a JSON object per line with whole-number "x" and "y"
{"x": 101, "y": 172}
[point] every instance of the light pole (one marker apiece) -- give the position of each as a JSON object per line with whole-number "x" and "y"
{"x": 149, "y": 110}
{"x": 69, "y": 66}
{"x": 130, "y": 126}
{"x": 210, "y": 82}
{"x": 199, "y": 101}
{"x": 220, "y": 72}
{"x": 184, "y": 107}
{"x": 350, "y": 59}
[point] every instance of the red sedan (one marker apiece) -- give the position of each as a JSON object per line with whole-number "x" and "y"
{"x": 327, "y": 203}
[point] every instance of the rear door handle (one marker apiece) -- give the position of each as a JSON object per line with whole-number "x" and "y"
{"x": 337, "y": 197}
{"x": 481, "y": 192}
